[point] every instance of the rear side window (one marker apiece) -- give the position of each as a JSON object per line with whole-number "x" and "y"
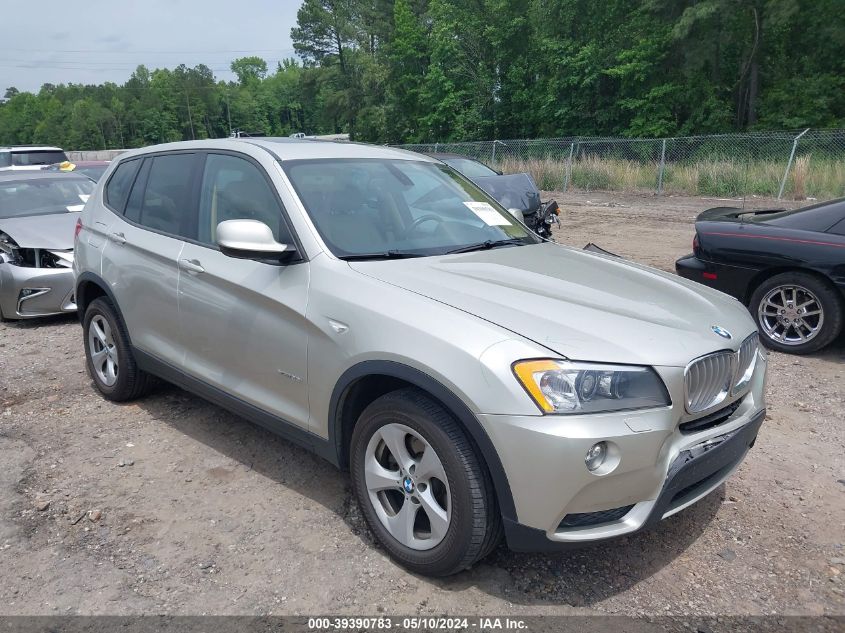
{"x": 162, "y": 201}
{"x": 5, "y": 159}
{"x": 120, "y": 183}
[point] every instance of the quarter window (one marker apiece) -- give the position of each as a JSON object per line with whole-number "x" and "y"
{"x": 117, "y": 189}
{"x": 164, "y": 204}
{"x": 233, "y": 188}
{"x": 838, "y": 228}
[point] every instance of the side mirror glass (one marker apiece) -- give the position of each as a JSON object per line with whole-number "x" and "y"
{"x": 250, "y": 239}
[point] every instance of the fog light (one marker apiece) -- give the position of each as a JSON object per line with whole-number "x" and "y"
{"x": 596, "y": 456}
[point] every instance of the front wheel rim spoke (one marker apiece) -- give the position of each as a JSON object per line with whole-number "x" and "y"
{"x": 99, "y": 333}
{"x": 379, "y": 478}
{"x": 401, "y": 524}
{"x": 98, "y": 357}
{"x": 430, "y": 467}
{"x": 111, "y": 369}
{"x": 394, "y": 439}
{"x": 438, "y": 518}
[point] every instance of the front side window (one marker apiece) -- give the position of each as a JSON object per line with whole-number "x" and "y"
{"x": 43, "y": 196}
{"x": 164, "y": 203}
{"x": 233, "y": 188}
{"x": 388, "y": 207}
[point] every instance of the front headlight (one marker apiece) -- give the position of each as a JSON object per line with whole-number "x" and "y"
{"x": 569, "y": 387}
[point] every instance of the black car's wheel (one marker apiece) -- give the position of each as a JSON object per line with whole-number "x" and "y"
{"x": 797, "y": 313}
{"x": 420, "y": 485}
{"x": 108, "y": 355}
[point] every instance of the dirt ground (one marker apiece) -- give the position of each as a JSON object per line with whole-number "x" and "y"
{"x": 172, "y": 505}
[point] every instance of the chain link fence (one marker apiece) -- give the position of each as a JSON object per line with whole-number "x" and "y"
{"x": 800, "y": 165}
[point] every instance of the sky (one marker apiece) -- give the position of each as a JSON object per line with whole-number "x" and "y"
{"x": 94, "y": 41}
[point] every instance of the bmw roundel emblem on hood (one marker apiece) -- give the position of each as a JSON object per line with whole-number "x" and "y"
{"x": 718, "y": 329}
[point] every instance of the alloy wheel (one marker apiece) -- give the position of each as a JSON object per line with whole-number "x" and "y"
{"x": 407, "y": 486}
{"x": 790, "y": 315}
{"x": 103, "y": 350}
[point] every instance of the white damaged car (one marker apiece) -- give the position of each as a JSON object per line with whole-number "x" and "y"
{"x": 38, "y": 213}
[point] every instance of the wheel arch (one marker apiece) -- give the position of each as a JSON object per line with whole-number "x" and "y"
{"x": 767, "y": 273}
{"x": 89, "y": 287}
{"x": 362, "y": 383}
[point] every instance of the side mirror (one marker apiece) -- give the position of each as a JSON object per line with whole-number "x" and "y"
{"x": 250, "y": 239}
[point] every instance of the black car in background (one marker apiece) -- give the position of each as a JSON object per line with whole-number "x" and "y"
{"x": 516, "y": 192}
{"x": 788, "y": 267}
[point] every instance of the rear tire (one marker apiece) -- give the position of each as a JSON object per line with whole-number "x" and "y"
{"x": 108, "y": 354}
{"x": 797, "y": 313}
{"x": 433, "y": 524}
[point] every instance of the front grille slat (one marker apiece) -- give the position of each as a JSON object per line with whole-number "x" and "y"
{"x": 709, "y": 381}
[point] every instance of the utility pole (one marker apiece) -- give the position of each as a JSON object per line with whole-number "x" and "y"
{"x": 190, "y": 120}
{"x": 228, "y": 113}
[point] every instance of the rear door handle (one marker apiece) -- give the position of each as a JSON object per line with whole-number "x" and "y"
{"x": 191, "y": 265}
{"x": 117, "y": 238}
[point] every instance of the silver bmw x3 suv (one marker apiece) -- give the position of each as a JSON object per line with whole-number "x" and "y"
{"x": 376, "y": 307}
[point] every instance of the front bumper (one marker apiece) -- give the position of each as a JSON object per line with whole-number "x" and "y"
{"x": 34, "y": 292}
{"x": 663, "y": 465}
{"x": 692, "y": 476}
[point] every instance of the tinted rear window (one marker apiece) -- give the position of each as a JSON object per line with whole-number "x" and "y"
{"x": 37, "y": 157}
{"x": 818, "y": 217}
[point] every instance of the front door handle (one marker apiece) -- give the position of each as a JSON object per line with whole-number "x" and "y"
{"x": 117, "y": 238}
{"x": 191, "y": 265}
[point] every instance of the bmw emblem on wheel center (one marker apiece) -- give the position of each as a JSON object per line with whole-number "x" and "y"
{"x": 720, "y": 331}
{"x": 408, "y": 485}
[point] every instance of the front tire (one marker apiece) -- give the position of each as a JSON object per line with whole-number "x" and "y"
{"x": 797, "y": 313}
{"x": 421, "y": 487}
{"x": 108, "y": 355}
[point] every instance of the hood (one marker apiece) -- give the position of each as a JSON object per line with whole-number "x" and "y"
{"x": 51, "y": 232}
{"x": 581, "y": 305}
{"x": 513, "y": 191}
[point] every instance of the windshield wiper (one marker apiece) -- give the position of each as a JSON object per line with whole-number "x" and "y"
{"x": 392, "y": 254}
{"x": 483, "y": 246}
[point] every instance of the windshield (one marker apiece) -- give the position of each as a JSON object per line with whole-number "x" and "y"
{"x": 37, "y": 157}
{"x": 400, "y": 207}
{"x": 470, "y": 168}
{"x": 41, "y": 196}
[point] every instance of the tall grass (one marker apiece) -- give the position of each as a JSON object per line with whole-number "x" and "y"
{"x": 821, "y": 178}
